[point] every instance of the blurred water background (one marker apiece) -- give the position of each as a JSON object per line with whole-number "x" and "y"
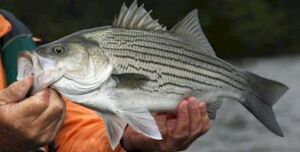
{"x": 236, "y": 130}
{"x": 263, "y": 36}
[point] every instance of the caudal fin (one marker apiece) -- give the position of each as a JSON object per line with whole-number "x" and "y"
{"x": 260, "y": 100}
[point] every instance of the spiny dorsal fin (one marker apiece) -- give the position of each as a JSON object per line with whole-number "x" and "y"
{"x": 190, "y": 26}
{"x": 136, "y": 17}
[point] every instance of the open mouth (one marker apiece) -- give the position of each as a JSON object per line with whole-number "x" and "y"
{"x": 25, "y": 65}
{"x": 43, "y": 74}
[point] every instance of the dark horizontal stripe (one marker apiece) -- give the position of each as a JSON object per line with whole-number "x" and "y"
{"x": 164, "y": 84}
{"x": 191, "y": 64}
{"x": 175, "y": 41}
{"x": 169, "y": 74}
{"x": 181, "y": 77}
{"x": 167, "y": 92}
{"x": 183, "y": 69}
{"x": 190, "y": 79}
{"x": 187, "y": 56}
{"x": 184, "y": 62}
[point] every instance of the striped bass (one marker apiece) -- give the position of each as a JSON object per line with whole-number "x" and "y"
{"x": 137, "y": 66}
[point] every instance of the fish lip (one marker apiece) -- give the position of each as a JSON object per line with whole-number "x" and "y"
{"x": 27, "y": 55}
{"x": 34, "y": 60}
{"x": 37, "y": 69}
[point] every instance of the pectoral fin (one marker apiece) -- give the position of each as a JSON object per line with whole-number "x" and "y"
{"x": 212, "y": 108}
{"x": 130, "y": 80}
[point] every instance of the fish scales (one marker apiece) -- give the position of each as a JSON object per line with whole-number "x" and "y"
{"x": 135, "y": 66}
{"x": 121, "y": 45}
{"x": 191, "y": 51}
{"x": 205, "y": 59}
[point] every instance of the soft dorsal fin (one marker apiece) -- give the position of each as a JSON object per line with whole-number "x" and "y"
{"x": 136, "y": 17}
{"x": 190, "y": 26}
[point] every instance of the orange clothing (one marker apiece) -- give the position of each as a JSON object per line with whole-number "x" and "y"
{"x": 5, "y": 26}
{"x": 83, "y": 129}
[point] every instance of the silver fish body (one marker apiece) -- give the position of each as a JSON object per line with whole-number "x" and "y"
{"x": 174, "y": 67}
{"x": 135, "y": 66}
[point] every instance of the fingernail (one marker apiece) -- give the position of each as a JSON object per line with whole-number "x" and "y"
{"x": 201, "y": 105}
{"x": 183, "y": 106}
{"x": 28, "y": 80}
{"x": 191, "y": 99}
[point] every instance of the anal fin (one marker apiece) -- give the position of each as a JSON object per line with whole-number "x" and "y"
{"x": 212, "y": 108}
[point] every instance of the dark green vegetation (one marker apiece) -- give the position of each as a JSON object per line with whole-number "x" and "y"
{"x": 235, "y": 28}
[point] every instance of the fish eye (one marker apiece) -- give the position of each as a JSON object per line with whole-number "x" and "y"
{"x": 58, "y": 50}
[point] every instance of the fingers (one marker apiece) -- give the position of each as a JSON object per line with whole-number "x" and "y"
{"x": 195, "y": 117}
{"x": 34, "y": 105}
{"x": 178, "y": 129}
{"x": 16, "y": 91}
{"x": 49, "y": 133}
{"x": 34, "y": 120}
{"x": 53, "y": 112}
{"x": 199, "y": 123}
{"x": 206, "y": 123}
{"x": 161, "y": 121}
{"x": 182, "y": 122}
{"x": 178, "y": 132}
{"x": 40, "y": 115}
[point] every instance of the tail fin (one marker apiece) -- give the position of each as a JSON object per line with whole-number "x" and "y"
{"x": 264, "y": 95}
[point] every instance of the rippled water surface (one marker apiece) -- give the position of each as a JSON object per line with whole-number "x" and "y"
{"x": 236, "y": 130}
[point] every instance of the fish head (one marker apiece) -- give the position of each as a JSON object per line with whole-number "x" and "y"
{"x": 69, "y": 55}
{"x": 68, "y": 65}
{"x": 51, "y": 62}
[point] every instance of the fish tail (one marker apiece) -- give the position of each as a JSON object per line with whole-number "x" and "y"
{"x": 259, "y": 101}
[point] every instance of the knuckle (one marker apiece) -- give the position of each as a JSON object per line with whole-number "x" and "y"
{"x": 44, "y": 140}
{"x": 31, "y": 135}
{"x": 167, "y": 148}
{"x": 182, "y": 136}
{"x": 37, "y": 137}
{"x": 57, "y": 109}
{"x": 16, "y": 91}
{"x": 194, "y": 108}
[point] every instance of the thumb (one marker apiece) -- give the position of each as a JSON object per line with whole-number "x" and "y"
{"x": 16, "y": 91}
{"x": 34, "y": 105}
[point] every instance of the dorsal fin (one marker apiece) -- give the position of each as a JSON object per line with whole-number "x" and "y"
{"x": 190, "y": 26}
{"x": 136, "y": 17}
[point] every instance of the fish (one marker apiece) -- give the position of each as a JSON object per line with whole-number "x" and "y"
{"x": 136, "y": 66}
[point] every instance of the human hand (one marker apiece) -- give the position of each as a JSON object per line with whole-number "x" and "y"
{"x": 28, "y": 123}
{"x": 178, "y": 131}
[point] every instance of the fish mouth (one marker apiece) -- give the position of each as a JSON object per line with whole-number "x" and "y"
{"x": 25, "y": 65}
{"x": 29, "y": 63}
